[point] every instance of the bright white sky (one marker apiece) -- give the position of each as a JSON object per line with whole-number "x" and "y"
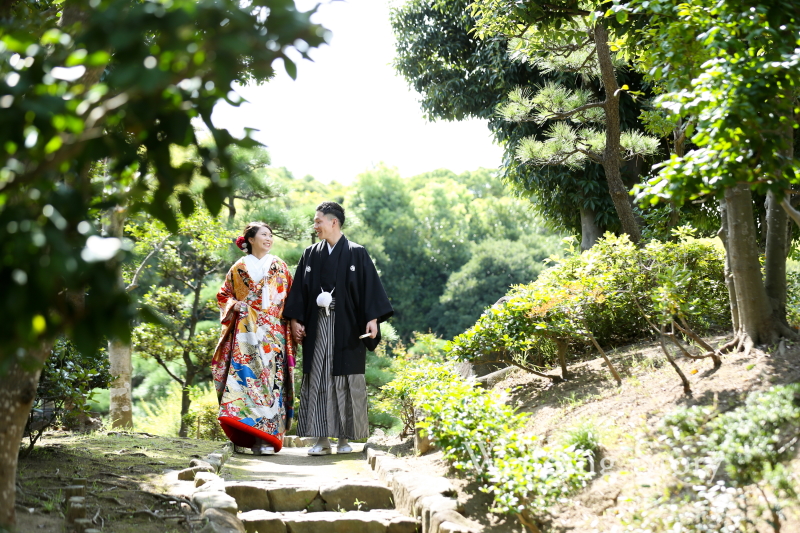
{"x": 348, "y": 110}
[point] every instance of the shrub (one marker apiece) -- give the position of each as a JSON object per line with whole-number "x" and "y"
{"x": 748, "y": 445}
{"x": 599, "y": 294}
{"x": 202, "y": 418}
{"x": 65, "y": 388}
{"x": 397, "y": 397}
{"x": 481, "y": 436}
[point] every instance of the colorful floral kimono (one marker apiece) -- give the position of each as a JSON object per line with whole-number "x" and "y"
{"x": 254, "y": 360}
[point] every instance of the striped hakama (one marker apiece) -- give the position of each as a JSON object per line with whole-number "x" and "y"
{"x": 331, "y": 406}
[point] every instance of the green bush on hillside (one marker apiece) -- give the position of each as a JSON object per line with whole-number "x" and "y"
{"x": 602, "y": 292}
{"x": 719, "y": 457}
{"x": 482, "y": 436}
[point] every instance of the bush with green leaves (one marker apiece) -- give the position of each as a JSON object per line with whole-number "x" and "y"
{"x": 601, "y": 293}
{"x": 65, "y": 388}
{"x": 483, "y": 437}
{"x": 732, "y": 463}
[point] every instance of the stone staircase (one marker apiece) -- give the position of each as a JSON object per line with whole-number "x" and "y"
{"x": 272, "y": 507}
{"x": 398, "y": 501}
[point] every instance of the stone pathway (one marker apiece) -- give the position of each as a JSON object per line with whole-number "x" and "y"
{"x": 292, "y": 492}
{"x": 295, "y": 465}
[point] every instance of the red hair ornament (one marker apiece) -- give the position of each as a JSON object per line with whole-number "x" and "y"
{"x": 240, "y": 242}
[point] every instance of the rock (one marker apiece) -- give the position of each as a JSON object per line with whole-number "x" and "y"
{"x": 76, "y": 508}
{"x": 249, "y": 496}
{"x": 289, "y": 441}
{"x": 216, "y": 485}
{"x": 288, "y": 498}
{"x": 199, "y": 462}
{"x": 215, "y": 460}
{"x": 356, "y": 496}
{"x": 427, "y": 506}
{"x": 372, "y": 453}
{"x": 317, "y": 505}
{"x": 80, "y": 525}
{"x": 386, "y": 466}
{"x": 328, "y": 522}
{"x": 409, "y": 488}
{"x": 74, "y": 490}
{"x": 490, "y": 380}
{"x": 187, "y": 474}
{"x": 215, "y": 500}
{"x": 221, "y": 522}
{"x": 396, "y": 522}
{"x": 448, "y": 520}
{"x": 260, "y": 520}
{"x": 306, "y": 441}
{"x": 201, "y": 478}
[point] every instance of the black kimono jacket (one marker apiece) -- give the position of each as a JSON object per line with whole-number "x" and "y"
{"x": 359, "y": 295}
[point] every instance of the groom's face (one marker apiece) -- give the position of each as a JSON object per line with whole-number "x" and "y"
{"x": 324, "y": 225}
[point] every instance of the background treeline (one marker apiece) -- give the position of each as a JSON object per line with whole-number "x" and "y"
{"x": 447, "y": 245}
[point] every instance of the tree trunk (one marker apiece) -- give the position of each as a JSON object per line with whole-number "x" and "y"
{"x": 776, "y": 252}
{"x": 723, "y": 235}
{"x": 757, "y": 323}
{"x": 121, "y": 404}
{"x": 611, "y": 155}
{"x": 590, "y": 231}
{"x": 17, "y": 392}
{"x": 186, "y": 402}
{"x": 119, "y": 354}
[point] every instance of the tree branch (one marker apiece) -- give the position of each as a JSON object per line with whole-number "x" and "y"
{"x": 566, "y": 114}
{"x": 793, "y": 213}
{"x": 165, "y": 367}
{"x": 135, "y": 281}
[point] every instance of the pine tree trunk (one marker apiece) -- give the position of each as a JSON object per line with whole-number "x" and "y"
{"x": 757, "y": 323}
{"x": 590, "y": 231}
{"x": 776, "y": 251}
{"x": 611, "y": 156}
{"x": 17, "y": 393}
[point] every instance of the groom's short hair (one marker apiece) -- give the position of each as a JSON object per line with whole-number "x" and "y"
{"x": 332, "y": 208}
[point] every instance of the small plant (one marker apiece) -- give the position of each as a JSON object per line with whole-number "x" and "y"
{"x": 65, "y": 389}
{"x": 749, "y": 444}
{"x": 584, "y": 436}
{"x": 53, "y": 503}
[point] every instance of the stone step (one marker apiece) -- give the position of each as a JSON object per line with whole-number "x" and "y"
{"x": 346, "y": 495}
{"x": 378, "y": 521}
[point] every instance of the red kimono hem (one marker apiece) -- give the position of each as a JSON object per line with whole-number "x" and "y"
{"x": 245, "y": 436}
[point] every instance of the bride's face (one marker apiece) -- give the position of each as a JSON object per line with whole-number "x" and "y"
{"x": 262, "y": 242}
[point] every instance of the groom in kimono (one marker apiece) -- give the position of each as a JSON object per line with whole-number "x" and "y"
{"x": 335, "y": 304}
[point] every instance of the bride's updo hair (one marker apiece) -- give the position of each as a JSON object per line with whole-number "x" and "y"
{"x": 249, "y": 232}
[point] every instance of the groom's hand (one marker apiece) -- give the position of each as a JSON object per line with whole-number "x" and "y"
{"x": 298, "y": 331}
{"x": 372, "y": 328}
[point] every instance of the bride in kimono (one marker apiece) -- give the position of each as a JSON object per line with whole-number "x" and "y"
{"x": 254, "y": 360}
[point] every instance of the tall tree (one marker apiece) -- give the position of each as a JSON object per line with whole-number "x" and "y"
{"x": 459, "y": 76}
{"x": 566, "y": 36}
{"x": 739, "y": 88}
{"x": 165, "y": 64}
{"x": 190, "y": 259}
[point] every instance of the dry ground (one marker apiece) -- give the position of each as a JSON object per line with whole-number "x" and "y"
{"x": 633, "y": 470}
{"x": 123, "y": 473}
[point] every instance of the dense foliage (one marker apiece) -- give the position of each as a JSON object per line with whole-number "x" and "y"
{"x": 422, "y": 233}
{"x": 118, "y": 82}
{"x": 65, "y": 389}
{"x": 718, "y": 455}
{"x": 482, "y": 437}
{"x": 601, "y": 293}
